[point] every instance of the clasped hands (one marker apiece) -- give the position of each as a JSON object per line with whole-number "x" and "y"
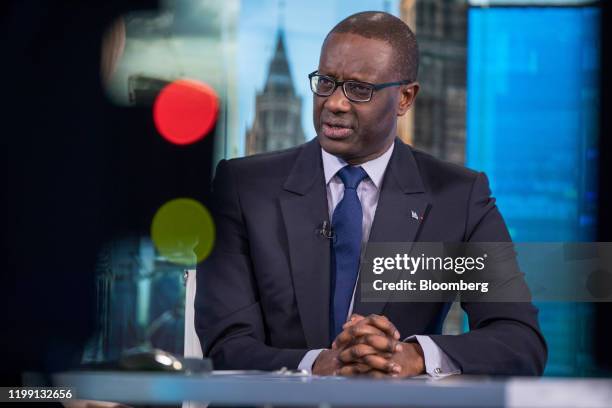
{"x": 370, "y": 346}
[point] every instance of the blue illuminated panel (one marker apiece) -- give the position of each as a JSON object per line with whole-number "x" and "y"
{"x": 532, "y": 127}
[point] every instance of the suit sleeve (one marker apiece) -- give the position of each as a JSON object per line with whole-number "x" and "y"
{"x": 228, "y": 315}
{"x": 504, "y": 337}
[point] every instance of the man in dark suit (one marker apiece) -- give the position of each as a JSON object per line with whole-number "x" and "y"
{"x": 276, "y": 292}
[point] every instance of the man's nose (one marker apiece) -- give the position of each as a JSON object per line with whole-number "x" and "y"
{"x": 337, "y": 101}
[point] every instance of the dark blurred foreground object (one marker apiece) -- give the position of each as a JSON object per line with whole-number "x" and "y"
{"x": 77, "y": 172}
{"x": 53, "y": 193}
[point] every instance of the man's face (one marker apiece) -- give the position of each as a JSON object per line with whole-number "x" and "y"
{"x": 357, "y": 131}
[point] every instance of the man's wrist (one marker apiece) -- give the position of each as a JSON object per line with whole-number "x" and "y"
{"x": 420, "y": 359}
{"x": 307, "y": 362}
{"x": 326, "y": 363}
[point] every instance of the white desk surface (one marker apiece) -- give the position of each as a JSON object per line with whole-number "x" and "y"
{"x": 271, "y": 389}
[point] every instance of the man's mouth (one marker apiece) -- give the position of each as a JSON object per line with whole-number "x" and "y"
{"x": 336, "y": 130}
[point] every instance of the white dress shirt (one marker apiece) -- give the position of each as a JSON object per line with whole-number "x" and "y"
{"x": 437, "y": 363}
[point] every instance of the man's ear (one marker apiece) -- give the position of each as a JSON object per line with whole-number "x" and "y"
{"x": 408, "y": 94}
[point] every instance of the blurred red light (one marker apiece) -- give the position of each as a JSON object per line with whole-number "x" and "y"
{"x": 185, "y": 111}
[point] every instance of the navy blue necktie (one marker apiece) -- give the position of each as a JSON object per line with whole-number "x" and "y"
{"x": 346, "y": 247}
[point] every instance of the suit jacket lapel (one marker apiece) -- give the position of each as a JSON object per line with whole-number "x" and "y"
{"x": 401, "y": 197}
{"x": 304, "y": 208}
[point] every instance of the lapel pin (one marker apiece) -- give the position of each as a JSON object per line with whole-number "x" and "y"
{"x": 415, "y": 215}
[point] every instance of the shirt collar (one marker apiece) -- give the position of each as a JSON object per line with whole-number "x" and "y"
{"x": 375, "y": 168}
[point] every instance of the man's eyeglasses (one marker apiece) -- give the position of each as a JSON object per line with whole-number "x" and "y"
{"x": 355, "y": 91}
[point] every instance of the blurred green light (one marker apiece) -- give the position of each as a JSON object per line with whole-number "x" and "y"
{"x": 183, "y": 231}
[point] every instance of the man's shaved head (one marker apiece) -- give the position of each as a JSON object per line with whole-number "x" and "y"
{"x": 386, "y": 27}
{"x": 370, "y": 47}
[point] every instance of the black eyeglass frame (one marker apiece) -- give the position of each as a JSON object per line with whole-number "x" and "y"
{"x": 375, "y": 87}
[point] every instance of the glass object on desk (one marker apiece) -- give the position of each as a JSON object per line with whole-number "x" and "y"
{"x": 140, "y": 301}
